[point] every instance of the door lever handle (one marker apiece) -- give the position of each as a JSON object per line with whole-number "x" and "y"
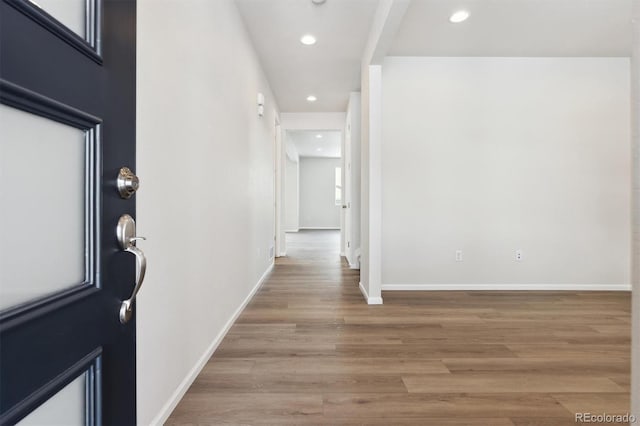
{"x": 126, "y": 308}
{"x": 127, "y": 239}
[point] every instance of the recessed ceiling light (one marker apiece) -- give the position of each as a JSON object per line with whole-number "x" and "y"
{"x": 319, "y": 136}
{"x": 318, "y": 1}
{"x": 318, "y": 149}
{"x": 311, "y": 98}
{"x": 459, "y": 16}
{"x": 308, "y": 39}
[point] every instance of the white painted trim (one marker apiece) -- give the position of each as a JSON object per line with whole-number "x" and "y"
{"x": 292, "y": 230}
{"x": 370, "y": 300}
{"x": 506, "y": 287}
{"x": 177, "y": 395}
{"x": 319, "y": 228}
{"x": 356, "y": 263}
{"x": 279, "y": 161}
{"x": 283, "y": 254}
{"x": 374, "y": 262}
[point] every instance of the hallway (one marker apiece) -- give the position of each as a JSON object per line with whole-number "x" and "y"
{"x": 308, "y": 350}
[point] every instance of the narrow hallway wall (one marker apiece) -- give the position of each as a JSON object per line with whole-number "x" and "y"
{"x": 292, "y": 194}
{"x": 635, "y": 137}
{"x": 206, "y": 202}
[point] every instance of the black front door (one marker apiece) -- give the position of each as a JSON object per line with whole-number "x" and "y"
{"x": 67, "y": 127}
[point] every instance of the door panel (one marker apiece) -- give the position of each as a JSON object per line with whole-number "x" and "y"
{"x": 67, "y": 407}
{"x": 63, "y": 19}
{"x": 67, "y": 119}
{"x": 70, "y": 13}
{"x": 62, "y": 252}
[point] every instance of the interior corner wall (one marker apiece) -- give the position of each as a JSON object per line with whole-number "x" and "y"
{"x": 353, "y": 133}
{"x": 635, "y": 138}
{"x": 292, "y": 194}
{"x": 364, "y": 181}
{"x": 370, "y": 184}
{"x": 210, "y": 231}
{"x": 318, "y": 209}
{"x": 386, "y": 22}
{"x": 494, "y": 155}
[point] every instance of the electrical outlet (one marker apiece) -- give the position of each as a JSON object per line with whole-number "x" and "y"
{"x": 458, "y": 255}
{"x": 519, "y": 255}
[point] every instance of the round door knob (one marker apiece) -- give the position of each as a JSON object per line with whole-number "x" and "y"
{"x": 128, "y": 183}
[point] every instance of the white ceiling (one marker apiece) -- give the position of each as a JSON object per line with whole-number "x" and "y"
{"x": 308, "y": 145}
{"x": 516, "y": 28}
{"x": 330, "y": 69}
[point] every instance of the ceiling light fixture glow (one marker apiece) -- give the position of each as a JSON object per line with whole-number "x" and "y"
{"x": 459, "y": 16}
{"x": 308, "y": 39}
{"x": 319, "y": 136}
{"x": 318, "y": 149}
{"x": 311, "y": 98}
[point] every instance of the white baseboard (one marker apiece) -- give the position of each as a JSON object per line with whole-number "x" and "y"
{"x": 353, "y": 261}
{"x": 292, "y": 230}
{"x": 370, "y": 300}
{"x": 319, "y": 228}
{"x": 506, "y": 287}
{"x": 175, "y": 398}
{"x": 347, "y": 258}
{"x": 282, "y": 254}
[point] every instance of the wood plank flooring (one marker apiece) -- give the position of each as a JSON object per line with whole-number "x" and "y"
{"x": 308, "y": 350}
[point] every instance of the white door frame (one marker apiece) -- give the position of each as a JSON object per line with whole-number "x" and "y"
{"x": 279, "y": 242}
{"x": 332, "y": 121}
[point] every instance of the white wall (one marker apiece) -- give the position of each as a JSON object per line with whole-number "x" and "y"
{"x": 278, "y": 174}
{"x": 490, "y": 155}
{"x": 292, "y": 192}
{"x": 317, "y": 193}
{"x": 370, "y": 185}
{"x": 209, "y": 231}
{"x": 313, "y": 120}
{"x": 387, "y": 20}
{"x": 352, "y": 178}
{"x": 364, "y": 187}
{"x": 343, "y": 208}
{"x": 635, "y": 132}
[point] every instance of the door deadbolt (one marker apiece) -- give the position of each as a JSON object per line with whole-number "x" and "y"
{"x": 128, "y": 183}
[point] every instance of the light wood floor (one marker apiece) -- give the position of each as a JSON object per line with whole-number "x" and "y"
{"x": 308, "y": 350}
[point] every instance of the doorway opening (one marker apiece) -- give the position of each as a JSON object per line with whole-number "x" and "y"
{"x": 312, "y": 213}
